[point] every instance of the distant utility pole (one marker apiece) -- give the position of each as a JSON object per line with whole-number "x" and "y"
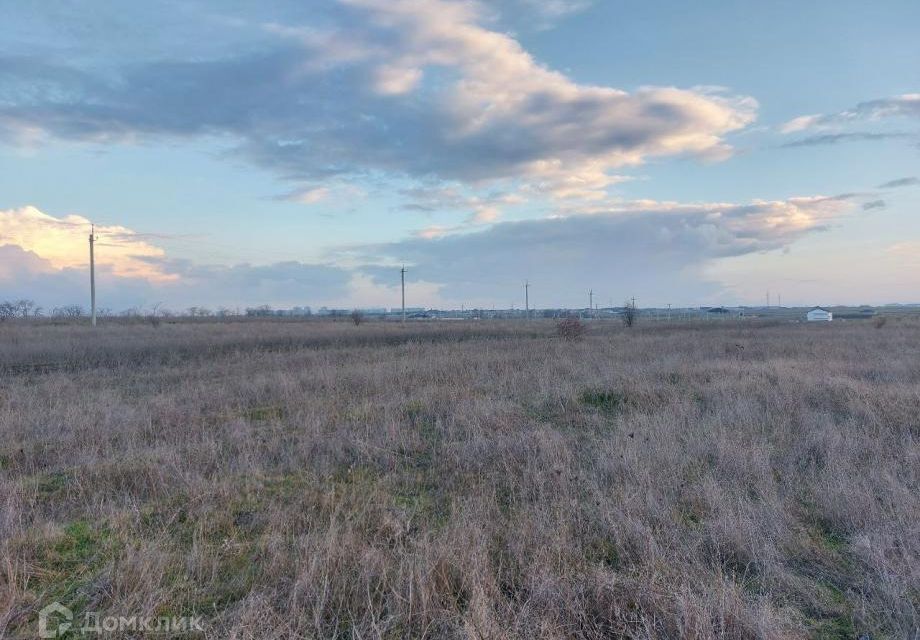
{"x": 92, "y": 275}
{"x": 402, "y": 279}
{"x": 527, "y": 298}
{"x": 779, "y": 300}
{"x": 669, "y": 312}
{"x": 590, "y": 302}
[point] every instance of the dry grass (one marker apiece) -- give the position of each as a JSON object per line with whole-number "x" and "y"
{"x": 465, "y": 481}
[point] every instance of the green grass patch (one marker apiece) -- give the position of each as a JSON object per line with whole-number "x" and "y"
{"x": 836, "y": 628}
{"x": 67, "y": 563}
{"x": 827, "y": 538}
{"x": 263, "y": 414}
{"x": 420, "y": 496}
{"x": 605, "y": 552}
{"x": 422, "y": 419}
{"x": 48, "y": 485}
{"x": 604, "y": 400}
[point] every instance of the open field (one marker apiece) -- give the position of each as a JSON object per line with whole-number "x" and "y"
{"x": 465, "y": 480}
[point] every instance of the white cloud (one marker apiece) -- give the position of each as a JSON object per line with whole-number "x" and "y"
{"x": 902, "y": 106}
{"x": 395, "y": 80}
{"x": 480, "y": 209}
{"x": 62, "y": 243}
{"x": 406, "y": 88}
{"x": 659, "y": 250}
{"x": 552, "y": 9}
{"x": 46, "y": 258}
{"x": 800, "y": 124}
{"x": 309, "y": 196}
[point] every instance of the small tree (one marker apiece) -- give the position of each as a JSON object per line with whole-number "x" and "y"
{"x": 630, "y": 313}
{"x": 357, "y": 317}
{"x": 68, "y": 311}
{"x": 25, "y": 308}
{"x": 7, "y": 310}
{"x": 156, "y": 314}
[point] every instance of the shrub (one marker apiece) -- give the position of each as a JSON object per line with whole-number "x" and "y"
{"x": 357, "y": 317}
{"x": 570, "y": 328}
{"x": 630, "y": 313}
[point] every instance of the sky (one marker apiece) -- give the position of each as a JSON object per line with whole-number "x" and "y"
{"x": 237, "y": 153}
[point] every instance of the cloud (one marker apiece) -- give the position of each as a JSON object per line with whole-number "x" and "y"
{"x": 900, "y": 182}
{"x": 653, "y": 249}
{"x": 282, "y": 284}
{"x": 906, "y": 253}
{"x": 556, "y": 8}
{"x": 63, "y": 244}
{"x": 45, "y": 258}
{"x": 835, "y": 138}
{"x": 417, "y": 88}
{"x": 542, "y": 14}
{"x": 874, "y": 204}
{"x": 903, "y": 106}
{"x": 800, "y": 124}
{"x": 481, "y": 209}
{"x": 309, "y": 195}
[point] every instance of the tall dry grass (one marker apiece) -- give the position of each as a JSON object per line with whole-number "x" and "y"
{"x": 481, "y": 480}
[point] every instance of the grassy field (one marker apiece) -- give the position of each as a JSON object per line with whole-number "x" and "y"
{"x": 465, "y": 480}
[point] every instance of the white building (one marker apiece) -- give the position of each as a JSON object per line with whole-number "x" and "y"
{"x": 819, "y": 315}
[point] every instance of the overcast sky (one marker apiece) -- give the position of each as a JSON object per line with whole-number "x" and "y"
{"x": 282, "y": 152}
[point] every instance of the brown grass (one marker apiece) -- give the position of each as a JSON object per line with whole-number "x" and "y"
{"x": 474, "y": 480}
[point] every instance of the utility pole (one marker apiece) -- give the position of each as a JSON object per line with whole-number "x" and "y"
{"x": 590, "y": 303}
{"x": 527, "y": 298}
{"x": 402, "y": 279}
{"x": 669, "y": 312}
{"x": 92, "y": 275}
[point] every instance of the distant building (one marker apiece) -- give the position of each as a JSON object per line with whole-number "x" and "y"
{"x": 819, "y": 315}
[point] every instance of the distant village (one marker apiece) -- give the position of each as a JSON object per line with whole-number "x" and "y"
{"x": 812, "y": 314}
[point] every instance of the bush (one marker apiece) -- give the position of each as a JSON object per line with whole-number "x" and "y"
{"x": 357, "y": 317}
{"x": 570, "y": 328}
{"x": 630, "y": 313}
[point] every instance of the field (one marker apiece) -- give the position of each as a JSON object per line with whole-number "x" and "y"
{"x": 465, "y": 480}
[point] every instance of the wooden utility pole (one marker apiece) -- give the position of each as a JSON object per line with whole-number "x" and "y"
{"x": 527, "y": 298}
{"x": 92, "y": 275}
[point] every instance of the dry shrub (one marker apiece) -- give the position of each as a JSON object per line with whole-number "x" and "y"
{"x": 571, "y": 328}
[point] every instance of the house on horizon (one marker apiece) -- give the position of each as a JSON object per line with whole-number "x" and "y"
{"x": 819, "y": 315}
